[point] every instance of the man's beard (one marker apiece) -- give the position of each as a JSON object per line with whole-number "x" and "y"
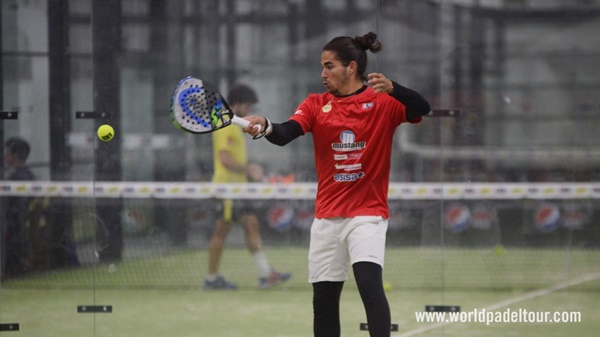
{"x": 336, "y": 91}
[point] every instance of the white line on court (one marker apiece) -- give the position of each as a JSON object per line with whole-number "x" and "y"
{"x": 513, "y": 300}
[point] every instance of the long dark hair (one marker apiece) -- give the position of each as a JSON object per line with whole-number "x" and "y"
{"x": 348, "y": 49}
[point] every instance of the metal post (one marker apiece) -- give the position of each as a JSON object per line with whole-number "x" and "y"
{"x": 106, "y": 44}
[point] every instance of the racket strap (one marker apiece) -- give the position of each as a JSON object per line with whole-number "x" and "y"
{"x": 267, "y": 130}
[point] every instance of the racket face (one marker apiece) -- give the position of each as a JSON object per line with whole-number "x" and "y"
{"x": 197, "y": 107}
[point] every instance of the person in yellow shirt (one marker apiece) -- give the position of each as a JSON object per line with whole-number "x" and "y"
{"x": 231, "y": 166}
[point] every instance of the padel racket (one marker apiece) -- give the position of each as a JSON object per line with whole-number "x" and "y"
{"x": 198, "y": 107}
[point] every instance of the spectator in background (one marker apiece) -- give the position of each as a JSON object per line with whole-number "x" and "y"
{"x": 13, "y": 229}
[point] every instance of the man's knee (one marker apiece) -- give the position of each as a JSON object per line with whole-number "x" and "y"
{"x": 369, "y": 279}
{"x": 221, "y": 230}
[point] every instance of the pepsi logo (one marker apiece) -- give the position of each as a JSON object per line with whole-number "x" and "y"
{"x": 457, "y": 218}
{"x": 547, "y": 217}
{"x": 280, "y": 217}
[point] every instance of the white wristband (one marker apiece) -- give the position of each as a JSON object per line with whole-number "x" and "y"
{"x": 269, "y": 127}
{"x": 266, "y": 131}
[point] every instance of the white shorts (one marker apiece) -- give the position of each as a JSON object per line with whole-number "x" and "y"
{"x": 336, "y": 243}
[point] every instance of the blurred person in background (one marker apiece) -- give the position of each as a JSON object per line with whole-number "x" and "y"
{"x": 352, "y": 125}
{"x": 16, "y": 209}
{"x": 231, "y": 166}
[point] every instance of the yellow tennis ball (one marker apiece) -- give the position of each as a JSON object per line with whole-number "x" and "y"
{"x": 106, "y": 132}
{"x": 387, "y": 286}
{"x": 499, "y": 249}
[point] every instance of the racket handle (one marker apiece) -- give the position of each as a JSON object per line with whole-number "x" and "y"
{"x": 242, "y": 122}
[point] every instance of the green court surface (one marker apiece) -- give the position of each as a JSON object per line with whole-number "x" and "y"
{"x": 163, "y": 296}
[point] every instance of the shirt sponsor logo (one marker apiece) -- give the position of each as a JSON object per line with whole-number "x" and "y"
{"x": 348, "y": 143}
{"x": 347, "y": 136}
{"x": 351, "y": 167}
{"x": 348, "y": 177}
{"x": 349, "y": 146}
{"x": 367, "y": 106}
{"x": 346, "y": 156}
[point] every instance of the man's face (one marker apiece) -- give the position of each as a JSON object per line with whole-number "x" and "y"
{"x": 335, "y": 76}
{"x": 10, "y": 158}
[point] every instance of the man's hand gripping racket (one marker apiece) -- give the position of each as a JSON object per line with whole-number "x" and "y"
{"x": 198, "y": 107}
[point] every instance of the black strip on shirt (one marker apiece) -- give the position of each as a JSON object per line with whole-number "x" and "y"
{"x": 416, "y": 105}
{"x": 285, "y": 132}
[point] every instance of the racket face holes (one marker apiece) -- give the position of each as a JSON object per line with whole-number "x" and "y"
{"x": 201, "y": 108}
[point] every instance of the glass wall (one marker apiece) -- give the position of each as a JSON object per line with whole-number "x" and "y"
{"x": 494, "y": 213}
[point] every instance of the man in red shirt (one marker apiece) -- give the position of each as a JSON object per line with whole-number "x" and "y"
{"x": 353, "y": 126}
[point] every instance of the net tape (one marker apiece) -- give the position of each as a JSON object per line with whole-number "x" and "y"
{"x": 307, "y": 191}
